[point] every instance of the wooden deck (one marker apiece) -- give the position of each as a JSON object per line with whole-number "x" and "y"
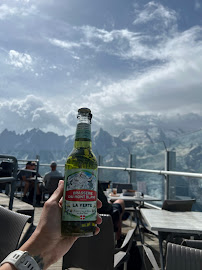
{"x": 19, "y": 205}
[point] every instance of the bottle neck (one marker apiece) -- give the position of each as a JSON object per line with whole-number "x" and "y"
{"x": 83, "y": 135}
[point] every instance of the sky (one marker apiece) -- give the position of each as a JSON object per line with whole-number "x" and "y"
{"x": 120, "y": 58}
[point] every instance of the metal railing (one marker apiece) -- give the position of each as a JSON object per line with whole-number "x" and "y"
{"x": 165, "y": 173}
{"x": 159, "y": 172}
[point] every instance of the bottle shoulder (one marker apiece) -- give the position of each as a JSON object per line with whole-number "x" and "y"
{"x": 82, "y": 151}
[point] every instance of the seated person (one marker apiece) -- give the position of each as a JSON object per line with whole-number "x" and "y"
{"x": 47, "y": 185}
{"x": 25, "y": 175}
{"x": 111, "y": 209}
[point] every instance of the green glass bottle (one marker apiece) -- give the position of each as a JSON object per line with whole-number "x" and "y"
{"x": 79, "y": 210}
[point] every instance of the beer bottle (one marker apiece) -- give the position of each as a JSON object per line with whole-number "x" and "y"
{"x": 79, "y": 209}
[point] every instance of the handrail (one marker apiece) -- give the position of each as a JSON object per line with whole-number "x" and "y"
{"x": 161, "y": 172}
{"x": 7, "y": 179}
{"x": 25, "y": 160}
{"x": 48, "y": 165}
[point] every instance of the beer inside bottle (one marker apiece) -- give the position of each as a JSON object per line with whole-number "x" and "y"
{"x": 79, "y": 210}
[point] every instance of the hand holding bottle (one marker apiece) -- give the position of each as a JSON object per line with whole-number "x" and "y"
{"x": 46, "y": 245}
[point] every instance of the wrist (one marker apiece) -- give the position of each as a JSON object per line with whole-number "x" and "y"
{"x": 35, "y": 250}
{"x": 20, "y": 260}
{"x": 38, "y": 248}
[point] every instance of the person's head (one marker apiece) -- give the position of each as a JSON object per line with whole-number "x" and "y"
{"x": 53, "y": 165}
{"x": 29, "y": 165}
{"x": 33, "y": 165}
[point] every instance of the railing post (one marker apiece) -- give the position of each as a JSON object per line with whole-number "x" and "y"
{"x": 36, "y": 182}
{"x": 132, "y": 174}
{"x": 100, "y": 171}
{"x": 170, "y": 165}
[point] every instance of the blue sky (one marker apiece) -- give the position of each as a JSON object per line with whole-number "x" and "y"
{"x": 119, "y": 58}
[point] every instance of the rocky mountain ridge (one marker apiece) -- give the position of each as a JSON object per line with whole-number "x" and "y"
{"x": 147, "y": 145}
{"x": 143, "y": 142}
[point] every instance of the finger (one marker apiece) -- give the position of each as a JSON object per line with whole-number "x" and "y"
{"x": 99, "y": 219}
{"x": 97, "y": 230}
{"x": 99, "y": 204}
{"x": 57, "y": 195}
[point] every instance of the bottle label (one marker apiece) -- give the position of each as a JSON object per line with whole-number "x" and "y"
{"x": 80, "y": 195}
{"x": 83, "y": 131}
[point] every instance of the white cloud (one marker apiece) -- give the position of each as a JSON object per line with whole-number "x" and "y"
{"x": 127, "y": 44}
{"x": 9, "y": 11}
{"x": 197, "y": 5}
{"x": 32, "y": 112}
{"x": 172, "y": 83}
{"x": 76, "y": 57}
{"x": 6, "y": 11}
{"x": 25, "y": 1}
{"x": 116, "y": 42}
{"x": 95, "y": 33}
{"x": 20, "y": 60}
{"x": 171, "y": 86}
{"x": 155, "y": 11}
{"x": 63, "y": 44}
{"x": 161, "y": 66}
{"x": 131, "y": 45}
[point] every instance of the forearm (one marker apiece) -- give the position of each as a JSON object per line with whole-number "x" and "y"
{"x": 46, "y": 245}
{"x": 44, "y": 251}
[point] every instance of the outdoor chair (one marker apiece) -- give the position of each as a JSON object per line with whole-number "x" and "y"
{"x": 105, "y": 184}
{"x": 178, "y": 205}
{"x": 178, "y": 257}
{"x": 6, "y": 169}
{"x": 99, "y": 252}
{"x": 11, "y": 228}
{"x": 192, "y": 243}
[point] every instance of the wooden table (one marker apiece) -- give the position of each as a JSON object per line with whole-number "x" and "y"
{"x": 173, "y": 222}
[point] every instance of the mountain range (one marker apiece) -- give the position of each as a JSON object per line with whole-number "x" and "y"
{"x": 147, "y": 144}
